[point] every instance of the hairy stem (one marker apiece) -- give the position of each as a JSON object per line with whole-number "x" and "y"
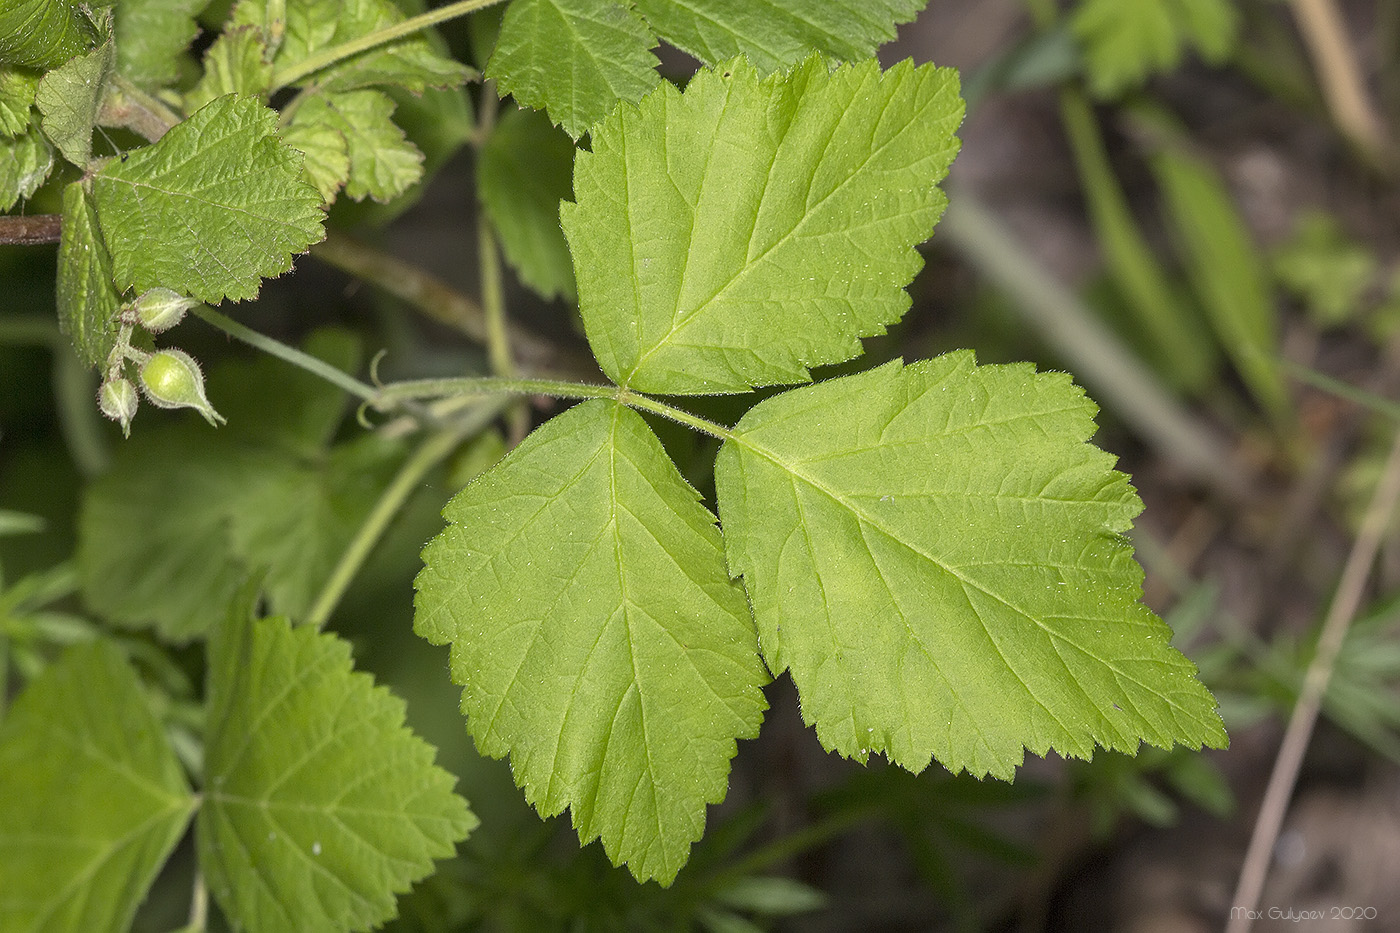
{"x": 556, "y": 388}
{"x": 292, "y": 355}
{"x": 433, "y": 451}
{"x": 327, "y": 57}
{"x": 128, "y": 106}
{"x": 1345, "y": 603}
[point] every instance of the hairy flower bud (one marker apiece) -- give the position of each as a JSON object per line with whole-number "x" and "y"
{"x": 117, "y": 400}
{"x": 171, "y": 379}
{"x": 159, "y": 309}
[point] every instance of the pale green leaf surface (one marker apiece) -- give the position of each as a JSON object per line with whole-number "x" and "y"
{"x": 327, "y": 164}
{"x": 266, "y": 493}
{"x": 17, "y": 87}
{"x": 69, "y": 98}
{"x": 320, "y": 806}
{"x": 314, "y": 25}
{"x": 524, "y": 172}
{"x": 152, "y": 36}
{"x": 212, "y": 209}
{"x": 92, "y": 799}
{"x": 87, "y": 302}
{"x": 43, "y": 33}
{"x": 937, "y": 557}
{"x": 776, "y": 33}
{"x": 1125, "y": 43}
{"x": 599, "y": 640}
{"x": 234, "y": 64}
{"x": 382, "y": 164}
{"x": 574, "y": 58}
{"x": 736, "y": 234}
{"x": 25, "y": 163}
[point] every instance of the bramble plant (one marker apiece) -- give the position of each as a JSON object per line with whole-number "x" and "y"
{"x": 932, "y": 550}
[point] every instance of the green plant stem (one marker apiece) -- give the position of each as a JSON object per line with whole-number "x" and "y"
{"x": 132, "y": 108}
{"x": 1043, "y": 13}
{"x": 327, "y": 57}
{"x": 1096, "y": 355}
{"x": 1345, "y": 603}
{"x": 428, "y": 455}
{"x": 556, "y": 388}
{"x": 283, "y": 352}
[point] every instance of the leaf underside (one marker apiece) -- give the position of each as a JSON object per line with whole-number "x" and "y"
{"x": 737, "y": 233}
{"x": 87, "y": 302}
{"x": 319, "y": 806}
{"x": 92, "y": 799}
{"x": 937, "y": 557}
{"x": 598, "y": 638}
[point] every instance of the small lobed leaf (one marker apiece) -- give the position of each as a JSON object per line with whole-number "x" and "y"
{"x": 1125, "y": 43}
{"x": 212, "y": 209}
{"x": 380, "y": 162}
{"x": 596, "y": 634}
{"x": 936, "y": 555}
{"x": 319, "y": 805}
{"x": 737, "y": 233}
{"x": 43, "y": 33}
{"x": 69, "y": 97}
{"x": 25, "y": 163}
{"x": 523, "y": 175}
{"x": 574, "y": 58}
{"x": 92, "y": 799}
{"x": 152, "y": 36}
{"x": 17, "y": 87}
{"x": 235, "y": 64}
{"x": 314, "y": 25}
{"x": 87, "y": 303}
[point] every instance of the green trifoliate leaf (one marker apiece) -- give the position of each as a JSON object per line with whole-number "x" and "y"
{"x": 320, "y": 806}
{"x": 316, "y": 25}
{"x": 267, "y": 491}
{"x": 1125, "y": 43}
{"x": 88, "y": 305}
{"x": 152, "y": 36}
{"x": 235, "y": 64}
{"x": 599, "y": 640}
{"x": 212, "y": 209}
{"x": 574, "y": 58}
{"x": 43, "y": 33}
{"x": 69, "y": 97}
{"x": 778, "y": 32}
{"x": 936, "y": 555}
{"x": 380, "y": 163}
{"x": 523, "y": 174}
{"x": 17, "y": 87}
{"x": 25, "y": 163}
{"x": 736, "y": 234}
{"x": 92, "y": 799}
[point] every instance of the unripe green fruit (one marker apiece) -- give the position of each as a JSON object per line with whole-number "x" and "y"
{"x": 159, "y": 309}
{"x": 171, "y": 379}
{"x": 117, "y": 400}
